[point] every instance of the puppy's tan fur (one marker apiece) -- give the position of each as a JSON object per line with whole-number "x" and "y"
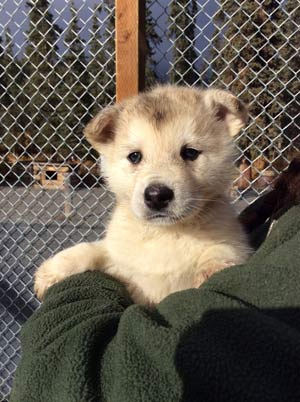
{"x": 158, "y": 254}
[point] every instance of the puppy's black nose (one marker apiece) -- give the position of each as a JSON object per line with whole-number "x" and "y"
{"x": 158, "y": 196}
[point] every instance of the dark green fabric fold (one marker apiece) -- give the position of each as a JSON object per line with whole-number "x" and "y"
{"x": 237, "y": 338}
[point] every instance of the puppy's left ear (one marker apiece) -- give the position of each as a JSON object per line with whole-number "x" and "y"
{"x": 101, "y": 129}
{"x": 227, "y": 108}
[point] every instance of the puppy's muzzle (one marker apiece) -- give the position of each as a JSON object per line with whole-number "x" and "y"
{"x": 158, "y": 196}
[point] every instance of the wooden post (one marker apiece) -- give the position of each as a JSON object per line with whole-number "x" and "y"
{"x": 130, "y": 47}
{"x": 68, "y": 195}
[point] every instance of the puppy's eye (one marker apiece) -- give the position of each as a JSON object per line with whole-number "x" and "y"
{"x": 135, "y": 157}
{"x": 189, "y": 154}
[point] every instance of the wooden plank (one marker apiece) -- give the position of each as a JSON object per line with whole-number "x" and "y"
{"x": 130, "y": 47}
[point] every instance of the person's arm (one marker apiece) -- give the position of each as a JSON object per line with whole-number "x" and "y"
{"x": 237, "y": 338}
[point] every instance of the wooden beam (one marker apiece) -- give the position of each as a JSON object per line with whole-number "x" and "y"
{"x": 130, "y": 47}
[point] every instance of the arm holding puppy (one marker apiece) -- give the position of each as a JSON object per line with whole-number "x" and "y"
{"x": 236, "y": 339}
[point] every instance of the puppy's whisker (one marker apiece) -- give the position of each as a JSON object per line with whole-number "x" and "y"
{"x": 200, "y": 199}
{"x": 205, "y": 200}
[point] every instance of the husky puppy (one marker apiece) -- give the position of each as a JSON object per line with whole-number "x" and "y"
{"x": 168, "y": 157}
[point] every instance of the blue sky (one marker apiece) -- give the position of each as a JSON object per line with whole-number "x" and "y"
{"x": 13, "y": 14}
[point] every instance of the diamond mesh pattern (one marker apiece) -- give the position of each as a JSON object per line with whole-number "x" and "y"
{"x": 57, "y": 70}
{"x": 252, "y": 49}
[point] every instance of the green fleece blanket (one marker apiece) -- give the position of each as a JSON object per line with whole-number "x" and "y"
{"x": 237, "y": 338}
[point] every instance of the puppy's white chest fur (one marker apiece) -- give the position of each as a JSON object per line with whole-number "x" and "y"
{"x": 155, "y": 261}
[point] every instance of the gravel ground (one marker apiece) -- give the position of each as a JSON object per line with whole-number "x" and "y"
{"x": 33, "y": 226}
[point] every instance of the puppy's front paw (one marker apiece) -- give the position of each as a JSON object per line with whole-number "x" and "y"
{"x": 53, "y": 270}
{"x": 211, "y": 268}
{"x": 74, "y": 260}
{"x": 45, "y": 276}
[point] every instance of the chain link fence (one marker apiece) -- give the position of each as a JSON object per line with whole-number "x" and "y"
{"x": 252, "y": 49}
{"x": 57, "y": 70}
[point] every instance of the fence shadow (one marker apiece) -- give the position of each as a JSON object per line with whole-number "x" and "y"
{"x": 14, "y": 304}
{"x": 241, "y": 355}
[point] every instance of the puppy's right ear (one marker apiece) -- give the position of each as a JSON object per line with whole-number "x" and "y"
{"x": 228, "y": 109}
{"x": 102, "y": 128}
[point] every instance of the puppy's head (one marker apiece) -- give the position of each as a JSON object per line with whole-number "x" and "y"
{"x": 168, "y": 152}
